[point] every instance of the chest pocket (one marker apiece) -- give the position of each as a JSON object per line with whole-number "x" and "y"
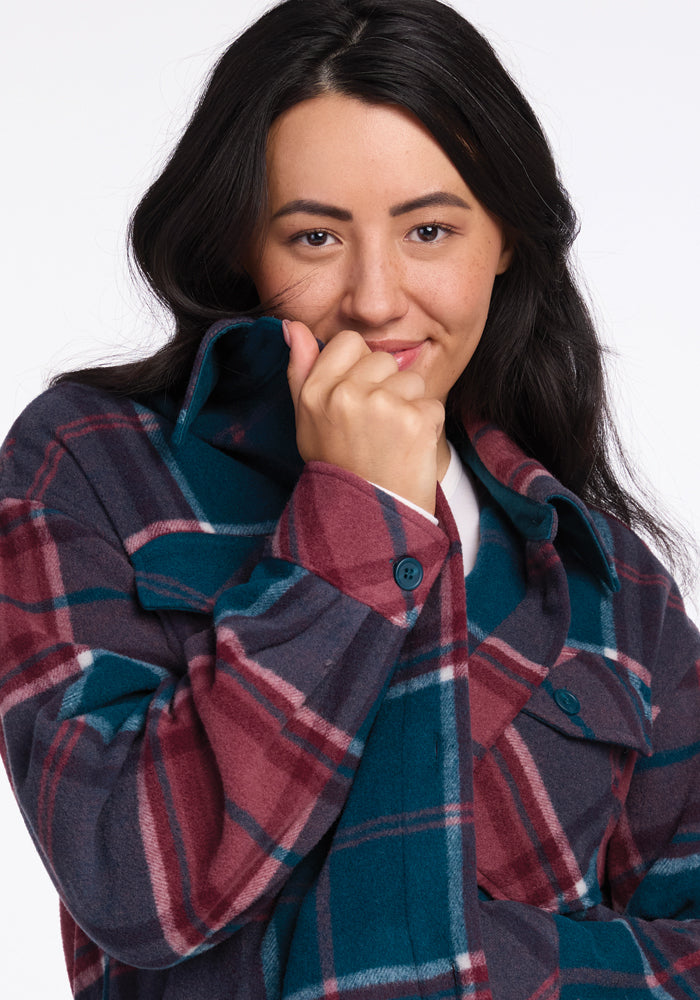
{"x": 550, "y": 790}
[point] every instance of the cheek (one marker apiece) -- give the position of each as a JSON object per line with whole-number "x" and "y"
{"x": 311, "y": 297}
{"x": 270, "y": 277}
{"x": 460, "y": 297}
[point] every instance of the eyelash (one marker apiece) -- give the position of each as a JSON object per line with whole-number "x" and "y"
{"x": 446, "y": 230}
{"x": 300, "y": 237}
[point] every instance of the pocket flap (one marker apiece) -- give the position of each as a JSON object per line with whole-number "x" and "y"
{"x": 606, "y": 698}
{"x": 187, "y": 570}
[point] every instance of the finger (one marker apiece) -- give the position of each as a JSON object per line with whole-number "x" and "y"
{"x": 303, "y": 354}
{"x": 372, "y": 366}
{"x": 406, "y": 385}
{"x": 433, "y": 412}
{"x": 341, "y": 352}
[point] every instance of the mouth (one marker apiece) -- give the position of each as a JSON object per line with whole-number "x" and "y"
{"x": 404, "y": 352}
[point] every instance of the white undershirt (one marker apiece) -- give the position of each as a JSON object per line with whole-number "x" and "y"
{"x": 461, "y": 497}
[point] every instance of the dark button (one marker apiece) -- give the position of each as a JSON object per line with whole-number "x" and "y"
{"x": 408, "y": 573}
{"x": 567, "y": 701}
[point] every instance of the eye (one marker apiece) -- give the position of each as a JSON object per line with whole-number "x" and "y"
{"x": 315, "y": 238}
{"x": 429, "y": 233}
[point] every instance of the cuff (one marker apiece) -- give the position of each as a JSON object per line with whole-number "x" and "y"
{"x": 361, "y": 540}
{"x": 409, "y": 503}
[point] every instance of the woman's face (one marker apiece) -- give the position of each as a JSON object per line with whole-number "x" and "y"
{"x": 371, "y": 228}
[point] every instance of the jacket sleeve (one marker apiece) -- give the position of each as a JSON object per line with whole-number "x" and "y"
{"x": 643, "y": 940}
{"x": 171, "y": 785}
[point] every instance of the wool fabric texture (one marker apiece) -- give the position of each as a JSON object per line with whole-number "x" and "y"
{"x": 256, "y": 766}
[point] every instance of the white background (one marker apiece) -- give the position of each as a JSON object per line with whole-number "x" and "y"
{"x": 95, "y": 95}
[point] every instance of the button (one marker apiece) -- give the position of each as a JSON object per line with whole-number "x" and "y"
{"x": 408, "y": 573}
{"x": 567, "y": 701}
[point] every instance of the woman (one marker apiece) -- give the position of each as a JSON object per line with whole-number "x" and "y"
{"x": 265, "y": 746}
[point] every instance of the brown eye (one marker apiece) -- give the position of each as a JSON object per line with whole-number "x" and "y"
{"x": 428, "y": 233}
{"x": 316, "y": 238}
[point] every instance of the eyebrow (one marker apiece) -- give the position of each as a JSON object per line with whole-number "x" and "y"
{"x": 427, "y": 201}
{"x": 309, "y": 207}
{"x": 313, "y": 208}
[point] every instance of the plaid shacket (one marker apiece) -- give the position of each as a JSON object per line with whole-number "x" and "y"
{"x": 256, "y": 766}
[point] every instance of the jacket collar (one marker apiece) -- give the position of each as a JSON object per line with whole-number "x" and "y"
{"x": 241, "y": 361}
{"x": 244, "y": 352}
{"x": 538, "y": 505}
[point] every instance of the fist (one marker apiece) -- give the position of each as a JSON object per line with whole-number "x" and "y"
{"x": 355, "y": 409}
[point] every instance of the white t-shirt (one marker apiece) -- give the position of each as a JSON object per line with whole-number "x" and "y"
{"x": 460, "y": 494}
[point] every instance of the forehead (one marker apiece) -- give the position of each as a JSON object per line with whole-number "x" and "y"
{"x": 338, "y": 147}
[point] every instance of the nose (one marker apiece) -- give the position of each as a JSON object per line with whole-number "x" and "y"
{"x": 375, "y": 288}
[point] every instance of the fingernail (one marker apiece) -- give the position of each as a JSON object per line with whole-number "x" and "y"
{"x": 285, "y": 332}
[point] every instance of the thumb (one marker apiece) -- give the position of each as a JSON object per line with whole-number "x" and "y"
{"x": 303, "y": 351}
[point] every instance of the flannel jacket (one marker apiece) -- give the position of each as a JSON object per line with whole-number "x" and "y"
{"x": 260, "y": 761}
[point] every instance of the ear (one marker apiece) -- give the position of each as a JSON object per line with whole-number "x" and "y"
{"x": 507, "y": 251}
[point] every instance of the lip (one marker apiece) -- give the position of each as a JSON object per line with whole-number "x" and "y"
{"x": 404, "y": 352}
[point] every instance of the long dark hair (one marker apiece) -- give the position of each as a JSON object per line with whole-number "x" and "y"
{"x": 538, "y": 370}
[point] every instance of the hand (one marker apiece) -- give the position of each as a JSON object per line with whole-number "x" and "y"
{"x": 355, "y": 409}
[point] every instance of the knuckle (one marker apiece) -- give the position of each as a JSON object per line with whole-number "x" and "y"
{"x": 436, "y": 413}
{"x": 383, "y": 402}
{"x": 343, "y": 396}
{"x": 309, "y": 396}
{"x": 415, "y": 421}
